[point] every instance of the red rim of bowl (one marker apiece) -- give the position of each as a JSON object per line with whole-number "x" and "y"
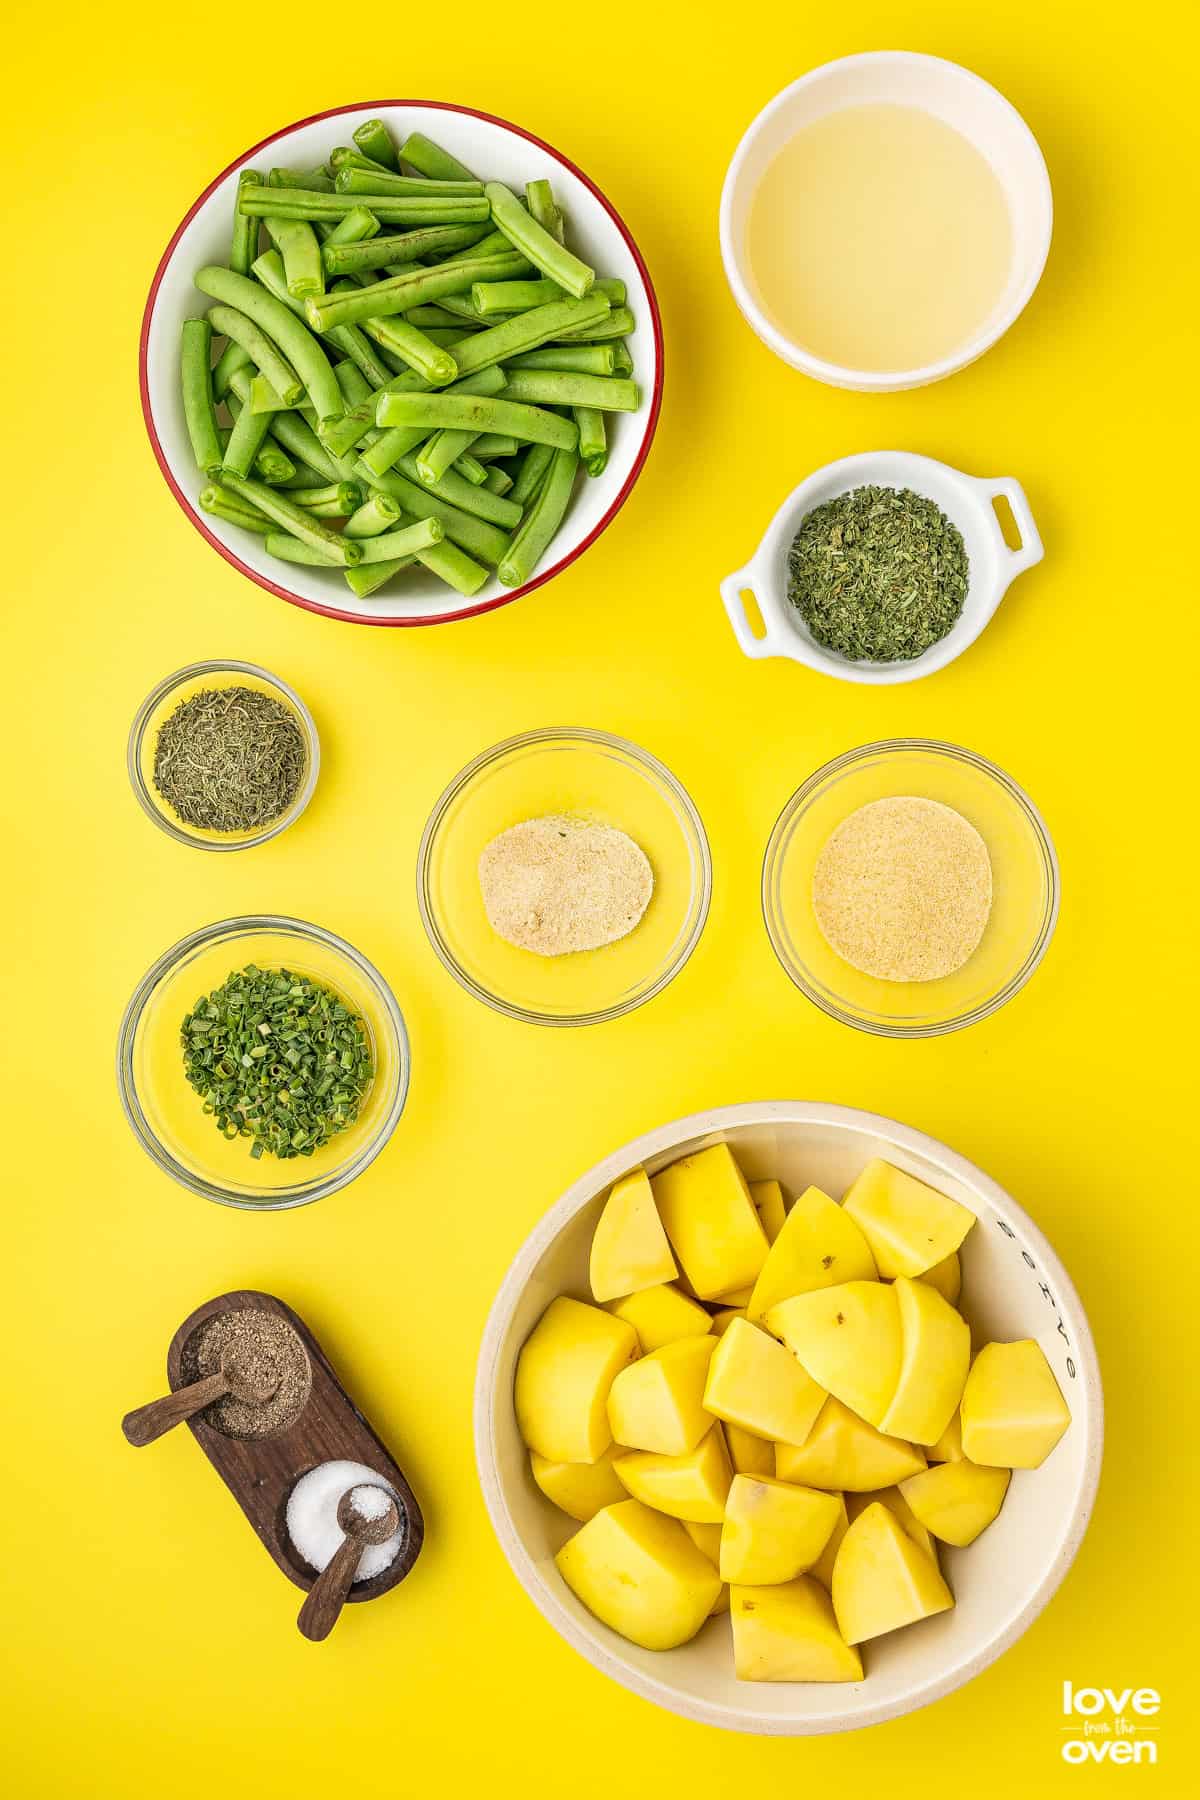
{"x": 335, "y": 612}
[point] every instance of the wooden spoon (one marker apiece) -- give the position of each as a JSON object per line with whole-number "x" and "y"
{"x": 327, "y": 1596}
{"x": 148, "y": 1422}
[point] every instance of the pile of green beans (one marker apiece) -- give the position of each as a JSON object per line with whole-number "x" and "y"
{"x": 403, "y": 365}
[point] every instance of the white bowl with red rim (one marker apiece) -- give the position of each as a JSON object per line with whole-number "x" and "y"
{"x": 499, "y": 151}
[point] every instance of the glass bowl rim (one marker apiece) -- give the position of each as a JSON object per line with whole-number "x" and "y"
{"x": 662, "y": 776}
{"x": 240, "y": 926}
{"x": 145, "y": 712}
{"x": 938, "y": 747}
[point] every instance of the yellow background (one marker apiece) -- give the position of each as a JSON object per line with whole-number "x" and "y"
{"x": 149, "y": 1642}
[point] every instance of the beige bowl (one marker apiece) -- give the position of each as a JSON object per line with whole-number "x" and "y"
{"x": 1014, "y": 1287}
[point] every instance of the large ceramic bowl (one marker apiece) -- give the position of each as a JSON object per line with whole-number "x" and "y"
{"x": 1013, "y": 1287}
{"x": 499, "y": 151}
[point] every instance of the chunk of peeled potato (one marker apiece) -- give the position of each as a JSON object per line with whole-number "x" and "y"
{"x": 882, "y": 1579}
{"x": 708, "y": 1539}
{"x": 843, "y": 1452}
{"x": 935, "y": 1353}
{"x": 748, "y": 1454}
{"x": 704, "y": 1203}
{"x": 848, "y": 1339}
{"x": 946, "y": 1277}
{"x": 789, "y": 1633}
{"x": 580, "y": 1489}
{"x": 769, "y": 1205}
{"x": 956, "y": 1500}
{"x": 909, "y": 1226}
{"x": 629, "y": 1246}
{"x": 693, "y": 1487}
{"x": 773, "y": 1530}
{"x": 661, "y": 1314}
{"x": 640, "y": 1574}
{"x": 755, "y": 1384}
{"x": 564, "y": 1372}
{"x": 818, "y": 1246}
{"x": 895, "y": 1502}
{"x": 949, "y": 1446}
{"x": 1013, "y": 1412}
{"x": 658, "y": 1403}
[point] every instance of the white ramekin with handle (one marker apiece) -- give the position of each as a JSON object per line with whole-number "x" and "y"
{"x": 968, "y": 501}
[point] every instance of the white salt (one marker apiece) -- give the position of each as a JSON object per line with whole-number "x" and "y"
{"x": 312, "y": 1521}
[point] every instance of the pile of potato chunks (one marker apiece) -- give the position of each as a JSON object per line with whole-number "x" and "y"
{"x": 774, "y": 1412}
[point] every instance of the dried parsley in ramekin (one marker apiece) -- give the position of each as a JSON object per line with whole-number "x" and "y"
{"x": 277, "y": 1058}
{"x": 230, "y": 759}
{"x": 878, "y": 574}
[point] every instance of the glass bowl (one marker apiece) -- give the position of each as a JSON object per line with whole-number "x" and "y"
{"x": 158, "y": 706}
{"x": 587, "y": 774}
{"x": 1024, "y": 881}
{"x": 166, "y": 1113}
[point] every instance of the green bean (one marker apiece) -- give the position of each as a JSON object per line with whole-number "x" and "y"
{"x": 221, "y": 504}
{"x": 446, "y": 337}
{"x": 274, "y": 367}
{"x": 316, "y": 181}
{"x": 580, "y": 359}
{"x": 593, "y": 440}
{"x": 337, "y": 501}
{"x": 390, "y": 209}
{"x": 359, "y": 349}
{"x": 527, "y": 330}
{"x": 622, "y": 361}
{"x": 368, "y": 578}
{"x": 471, "y": 470}
{"x": 539, "y": 197}
{"x": 536, "y": 244}
{"x": 490, "y": 297}
{"x": 530, "y": 475}
{"x": 478, "y": 536}
{"x": 375, "y": 140}
{"x": 244, "y": 246}
{"x": 352, "y": 180}
{"x": 455, "y": 568}
{"x": 542, "y": 519}
{"x": 346, "y": 158}
{"x": 295, "y": 520}
{"x": 377, "y": 514}
{"x": 341, "y": 258}
{"x": 441, "y": 452}
{"x": 430, "y": 360}
{"x": 355, "y": 227}
{"x": 195, "y": 360}
{"x": 303, "y": 477}
{"x": 245, "y": 440}
{"x": 273, "y": 465}
{"x": 358, "y": 391}
{"x": 232, "y": 357}
{"x": 466, "y": 497}
{"x": 397, "y": 442}
{"x": 295, "y": 550}
{"x": 497, "y": 480}
{"x": 558, "y": 387}
{"x": 494, "y": 443}
{"x": 462, "y": 308}
{"x": 263, "y": 398}
{"x": 430, "y": 160}
{"x": 298, "y": 345}
{"x": 619, "y": 323}
{"x": 431, "y": 318}
{"x": 409, "y": 540}
{"x": 459, "y": 412}
{"x": 297, "y": 244}
{"x": 383, "y": 299}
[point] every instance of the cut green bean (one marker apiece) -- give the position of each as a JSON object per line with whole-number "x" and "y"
{"x": 493, "y": 443}
{"x": 355, "y": 227}
{"x": 619, "y": 323}
{"x": 263, "y": 398}
{"x": 389, "y": 209}
{"x": 455, "y": 568}
{"x": 478, "y": 536}
{"x": 342, "y": 258}
{"x": 491, "y": 297}
{"x": 337, "y": 501}
{"x": 437, "y": 317}
{"x": 244, "y": 246}
{"x": 273, "y": 465}
{"x": 409, "y": 540}
{"x": 195, "y": 360}
{"x": 593, "y": 440}
{"x": 245, "y": 441}
{"x": 462, "y": 308}
{"x": 542, "y": 519}
{"x": 446, "y": 337}
{"x": 303, "y": 477}
{"x": 383, "y": 299}
{"x": 622, "y": 361}
{"x": 462, "y": 412}
{"x": 353, "y": 180}
{"x": 298, "y": 345}
{"x": 297, "y": 244}
{"x": 232, "y": 357}
{"x": 539, "y": 197}
{"x": 375, "y": 140}
{"x": 221, "y": 504}
{"x": 377, "y": 514}
{"x": 430, "y": 360}
{"x": 471, "y": 470}
{"x": 498, "y": 480}
{"x": 430, "y": 160}
{"x": 527, "y": 330}
{"x": 274, "y": 367}
{"x": 368, "y": 578}
{"x": 441, "y": 452}
{"x": 466, "y": 496}
{"x": 392, "y": 444}
{"x": 295, "y": 520}
{"x": 315, "y": 181}
{"x": 580, "y": 359}
{"x": 536, "y": 244}
{"x": 346, "y": 158}
{"x": 530, "y": 475}
{"x": 559, "y": 387}
{"x": 294, "y": 550}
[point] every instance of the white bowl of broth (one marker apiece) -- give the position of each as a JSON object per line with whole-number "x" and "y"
{"x": 885, "y": 220}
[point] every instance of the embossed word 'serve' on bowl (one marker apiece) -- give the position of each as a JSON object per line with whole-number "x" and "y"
{"x": 1013, "y": 1287}
{"x": 950, "y": 93}
{"x": 499, "y": 151}
{"x": 966, "y": 500}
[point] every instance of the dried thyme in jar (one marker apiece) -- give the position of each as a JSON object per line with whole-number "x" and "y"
{"x": 230, "y": 759}
{"x": 878, "y": 574}
{"x": 277, "y": 1058}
